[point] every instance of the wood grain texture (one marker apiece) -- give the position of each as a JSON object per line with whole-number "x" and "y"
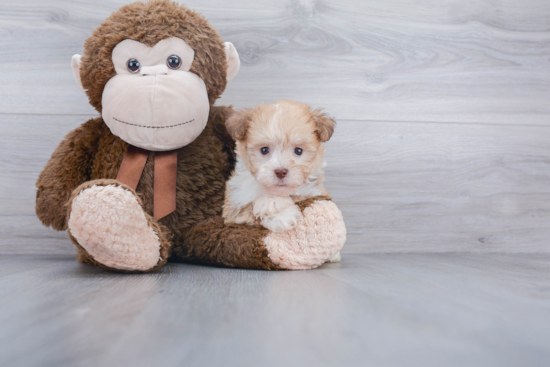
{"x": 24, "y": 234}
{"x": 370, "y": 310}
{"x": 402, "y": 187}
{"x": 401, "y": 60}
{"x": 433, "y": 187}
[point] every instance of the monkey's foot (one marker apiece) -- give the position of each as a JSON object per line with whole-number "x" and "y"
{"x": 316, "y": 239}
{"x": 108, "y": 221}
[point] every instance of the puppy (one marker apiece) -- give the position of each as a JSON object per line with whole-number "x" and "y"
{"x": 280, "y": 151}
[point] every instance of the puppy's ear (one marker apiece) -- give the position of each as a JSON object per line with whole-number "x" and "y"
{"x": 325, "y": 124}
{"x": 237, "y": 124}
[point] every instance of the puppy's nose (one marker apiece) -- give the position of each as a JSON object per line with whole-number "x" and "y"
{"x": 281, "y": 172}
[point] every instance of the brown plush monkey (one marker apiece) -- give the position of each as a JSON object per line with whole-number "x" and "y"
{"x": 145, "y": 181}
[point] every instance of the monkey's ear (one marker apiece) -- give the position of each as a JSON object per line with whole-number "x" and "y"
{"x": 237, "y": 124}
{"x": 233, "y": 61}
{"x": 325, "y": 124}
{"x": 75, "y": 63}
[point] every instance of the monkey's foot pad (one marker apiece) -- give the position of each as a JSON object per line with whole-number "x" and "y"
{"x": 317, "y": 238}
{"x": 110, "y": 224}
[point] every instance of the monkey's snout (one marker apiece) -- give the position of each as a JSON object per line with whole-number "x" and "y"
{"x": 154, "y": 70}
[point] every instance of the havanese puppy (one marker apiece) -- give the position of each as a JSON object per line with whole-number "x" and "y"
{"x": 280, "y": 151}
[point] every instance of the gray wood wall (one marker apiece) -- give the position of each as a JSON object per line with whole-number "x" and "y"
{"x": 443, "y": 110}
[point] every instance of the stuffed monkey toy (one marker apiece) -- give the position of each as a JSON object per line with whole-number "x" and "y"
{"x": 144, "y": 182}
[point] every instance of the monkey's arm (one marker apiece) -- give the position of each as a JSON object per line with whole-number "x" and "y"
{"x": 68, "y": 167}
{"x": 235, "y": 245}
{"x": 317, "y": 238}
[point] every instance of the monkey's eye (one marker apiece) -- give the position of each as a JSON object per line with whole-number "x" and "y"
{"x": 298, "y": 151}
{"x": 173, "y": 62}
{"x": 133, "y": 65}
{"x": 264, "y": 150}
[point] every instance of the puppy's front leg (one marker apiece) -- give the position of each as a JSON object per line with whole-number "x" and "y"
{"x": 276, "y": 213}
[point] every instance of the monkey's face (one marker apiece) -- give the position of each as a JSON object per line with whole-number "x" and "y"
{"x": 154, "y": 102}
{"x": 153, "y": 69}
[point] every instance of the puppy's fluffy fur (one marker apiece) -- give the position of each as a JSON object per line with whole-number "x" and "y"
{"x": 280, "y": 151}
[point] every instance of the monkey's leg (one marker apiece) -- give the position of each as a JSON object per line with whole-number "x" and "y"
{"x": 107, "y": 222}
{"x": 317, "y": 238}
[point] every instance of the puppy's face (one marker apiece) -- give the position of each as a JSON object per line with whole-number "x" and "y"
{"x": 281, "y": 144}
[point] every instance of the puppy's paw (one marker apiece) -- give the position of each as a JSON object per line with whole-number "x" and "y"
{"x": 283, "y": 221}
{"x": 267, "y": 205}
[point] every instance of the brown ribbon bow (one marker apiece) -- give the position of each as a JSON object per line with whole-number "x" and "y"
{"x": 166, "y": 171}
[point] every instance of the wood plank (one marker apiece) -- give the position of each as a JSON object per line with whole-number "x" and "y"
{"x": 391, "y": 309}
{"x": 403, "y": 187}
{"x": 414, "y": 187}
{"x": 450, "y": 61}
{"x": 28, "y": 141}
{"x": 24, "y": 234}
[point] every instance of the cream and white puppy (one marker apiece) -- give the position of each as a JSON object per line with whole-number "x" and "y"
{"x": 280, "y": 151}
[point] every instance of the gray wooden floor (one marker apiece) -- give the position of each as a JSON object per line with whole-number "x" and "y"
{"x": 440, "y": 164}
{"x": 370, "y": 310}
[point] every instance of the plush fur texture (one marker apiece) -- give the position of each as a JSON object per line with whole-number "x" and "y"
{"x": 317, "y": 238}
{"x": 69, "y": 166}
{"x": 203, "y": 168}
{"x": 149, "y": 23}
{"x": 109, "y": 222}
{"x": 124, "y": 254}
{"x": 212, "y": 242}
{"x": 157, "y": 108}
{"x": 90, "y": 156}
{"x": 239, "y": 245}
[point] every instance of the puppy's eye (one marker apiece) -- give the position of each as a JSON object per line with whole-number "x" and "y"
{"x": 264, "y": 150}
{"x": 173, "y": 62}
{"x": 133, "y": 65}
{"x": 298, "y": 151}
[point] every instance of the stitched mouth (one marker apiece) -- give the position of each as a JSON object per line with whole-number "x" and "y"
{"x": 153, "y": 127}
